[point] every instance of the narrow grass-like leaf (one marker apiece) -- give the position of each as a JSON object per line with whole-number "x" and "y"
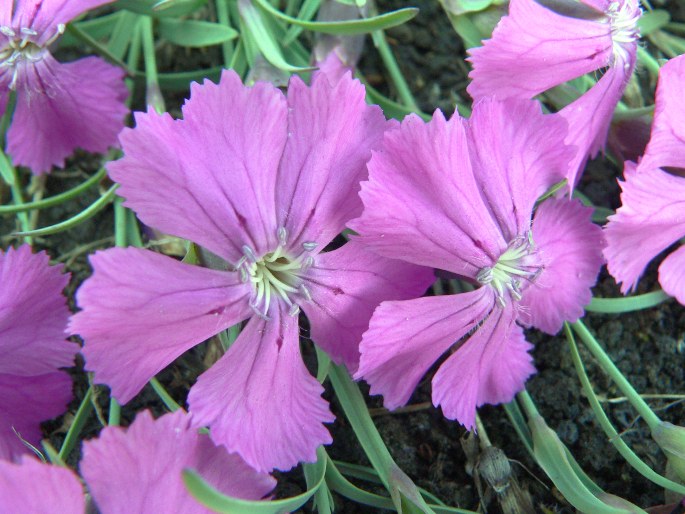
{"x": 551, "y": 455}
{"x": 213, "y": 499}
{"x": 653, "y": 20}
{"x": 156, "y": 9}
{"x": 263, "y": 37}
{"x": 82, "y": 216}
{"x": 348, "y": 27}
{"x": 307, "y": 12}
{"x": 57, "y": 199}
{"x": 629, "y": 304}
{"x": 97, "y": 28}
{"x": 195, "y": 33}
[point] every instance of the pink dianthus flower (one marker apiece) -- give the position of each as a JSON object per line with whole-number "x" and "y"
{"x": 540, "y": 45}
{"x": 652, "y": 215}
{"x": 265, "y": 183}
{"x": 59, "y": 106}
{"x": 136, "y": 470}
{"x": 460, "y": 195}
{"x": 33, "y": 318}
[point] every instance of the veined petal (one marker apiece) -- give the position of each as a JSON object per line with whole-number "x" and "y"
{"x": 26, "y": 401}
{"x": 146, "y": 461}
{"x": 517, "y": 154}
{"x": 667, "y": 144}
{"x": 672, "y": 274}
{"x": 61, "y": 107}
{"x": 422, "y": 202}
{"x": 260, "y": 401}
{"x": 650, "y": 219}
{"x": 346, "y": 285}
{"x": 33, "y": 314}
{"x": 589, "y": 117}
{"x": 570, "y": 247}
{"x": 405, "y": 338}
{"x": 141, "y": 310}
{"x": 490, "y": 367}
{"x": 210, "y": 177}
{"x": 44, "y": 16}
{"x": 32, "y": 487}
{"x": 534, "y": 49}
{"x": 331, "y": 132}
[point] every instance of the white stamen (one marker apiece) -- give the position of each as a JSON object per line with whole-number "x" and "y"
{"x": 309, "y": 246}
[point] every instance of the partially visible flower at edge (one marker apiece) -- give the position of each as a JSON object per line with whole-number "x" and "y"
{"x": 59, "y": 106}
{"x": 33, "y": 319}
{"x": 136, "y": 470}
{"x": 536, "y": 47}
{"x": 264, "y": 182}
{"x": 652, "y": 215}
{"x": 459, "y": 196}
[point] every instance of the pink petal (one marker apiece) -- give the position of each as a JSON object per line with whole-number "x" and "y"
{"x": 146, "y": 461}
{"x": 58, "y": 106}
{"x": 331, "y": 132}
{"x": 517, "y": 154}
{"x": 210, "y": 177}
{"x": 672, "y": 274}
{"x": 422, "y": 202}
{"x": 31, "y": 487}
{"x": 589, "y": 117}
{"x": 260, "y": 401}
{"x": 651, "y": 218}
{"x": 44, "y": 16}
{"x": 141, "y": 310}
{"x": 490, "y": 367}
{"x": 667, "y": 144}
{"x": 33, "y": 314}
{"x": 525, "y": 58}
{"x": 570, "y": 247}
{"x": 405, "y": 339}
{"x": 346, "y": 285}
{"x": 25, "y": 401}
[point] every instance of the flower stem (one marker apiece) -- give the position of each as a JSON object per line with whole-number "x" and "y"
{"x": 77, "y": 424}
{"x": 610, "y": 368}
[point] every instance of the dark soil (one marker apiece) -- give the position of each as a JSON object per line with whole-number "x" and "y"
{"x": 647, "y": 346}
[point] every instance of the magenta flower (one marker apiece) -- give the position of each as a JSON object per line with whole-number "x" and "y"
{"x": 265, "y": 183}
{"x": 33, "y": 318}
{"x": 134, "y": 470}
{"x": 32, "y": 487}
{"x": 138, "y": 469}
{"x": 459, "y": 195}
{"x": 652, "y": 215}
{"x": 536, "y": 47}
{"x": 59, "y": 107}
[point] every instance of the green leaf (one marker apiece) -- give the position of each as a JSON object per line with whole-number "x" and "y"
{"x": 651, "y": 21}
{"x": 552, "y": 456}
{"x": 213, "y": 499}
{"x": 193, "y": 33}
{"x": 158, "y": 9}
{"x": 180, "y": 81}
{"x": 628, "y": 304}
{"x": 82, "y": 216}
{"x": 263, "y": 38}
{"x": 348, "y": 27}
{"x": 97, "y": 28}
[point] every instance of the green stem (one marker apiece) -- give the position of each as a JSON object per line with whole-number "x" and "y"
{"x": 629, "y": 304}
{"x": 609, "y": 430}
{"x": 77, "y": 424}
{"x": 403, "y": 91}
{"x": 527, "y": 404}
{"x": 57, "y": 199}
{"x": 224, "y": 17}
{"x": 648, "y": 61}
{"x": 100, "y": 49}
{"x": 164, "y": 395}
{"x": 404, "y": 493}
{"x": 114, "y": 412}
{"x": 18, "y": 198}
{"x": 153, "y": 92}
{"x": 610, "y": 368}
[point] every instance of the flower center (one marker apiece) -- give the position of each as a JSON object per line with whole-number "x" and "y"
{"x": 21, "y": 47}
{"x": 624, "y": 29}
{"x": 276, "y": 276}
{"x": 519, "y": 264}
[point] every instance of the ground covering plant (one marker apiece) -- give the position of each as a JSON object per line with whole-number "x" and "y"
{"x": 305, "y": 233}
